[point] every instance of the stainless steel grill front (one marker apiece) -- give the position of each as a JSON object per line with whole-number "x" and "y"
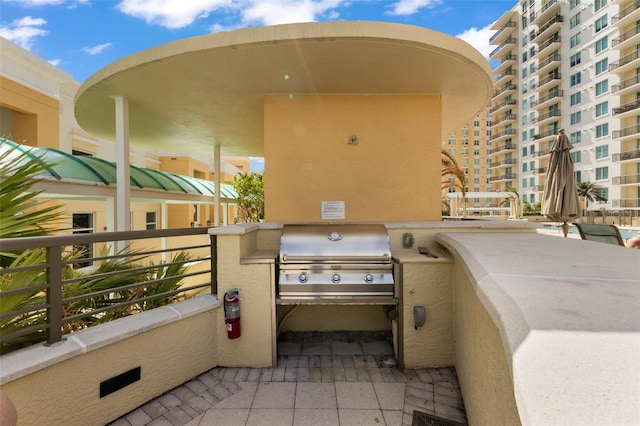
{"x": 335, "y": 260}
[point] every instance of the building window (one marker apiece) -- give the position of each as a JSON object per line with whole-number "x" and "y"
{"x": 602, "y": 66}
{"x": 452, "y": 141}
{"x": 524, "y": 151}
{"x": 602, "y": 151}
{"x": 524, "y": 57}
{"x": 576, "y": 79}
{"x": 599, "y": 4}
{"x": 602, "y": 109}
{"x": 602, "y": 44}
{"x": 602, "y": 130}
{"x": 83, "y": 224}
{"x": 573, "y": 3}
{"x": 575, "y": 39}
{"x": 524, "y": 183}
{"x": 578, "y": 175}
{"x": 576, "y": 117}
{"x": 576, "y": 157}
{"x": 602, "y": 87}
{"x": 576, "y": 98}
{"x": 574, "y": 21}
{"x": 152, "y": 220}
{"x": 602, "y": 173}
{"x": 575, "y": 137}
{"x": 601, "y": 23}
{"x": 575, "y": 59}
{"x": 452, "y": 151}
{"x": 465, "y": 151}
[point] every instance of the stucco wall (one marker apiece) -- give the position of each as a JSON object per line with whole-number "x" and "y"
{"x": 428, "y": 284}
{"x": 60, "y": 385}
{"x": 254, "y": 348}
{"x": 391, "y": 174}
{"x": 481, "y": 364}
{"x": 35, "y": 115}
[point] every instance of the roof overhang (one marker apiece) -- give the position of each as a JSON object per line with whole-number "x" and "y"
{"x": 194, "y": 93}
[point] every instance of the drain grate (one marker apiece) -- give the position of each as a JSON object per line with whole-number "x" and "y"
{"x": 424, "y": 419}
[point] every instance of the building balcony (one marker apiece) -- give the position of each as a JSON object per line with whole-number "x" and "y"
{"x": 626, "y": 108}
{"x": 629, "y": 14}
{"x": 504, "y": 118}
{"x": 553, "y": 24}
{"x": 542, "y": 119}
{"x": 545, "y": 134}
{"x": 546, "y": 65}
{"x": 626, "y": 86}
{"x": 545, "y": 47}
{"x": 547, "y": 11}
{"x": 507, "y": 133}
{"x": 626, "y": 156}
{"x": 506, "y": 30}
{"x": 508, "y": 73}
{"x": 503, "y": 91}
{"x": 506, "y": 61}
{"x": 502, "y": 148}
{"x": 626, "y": 63}
{"x": 547, "y": 82}
{"x": 542, "y": 153}
{"x": 507, "y": 103}
{"x": 544, "y": 101}
{"x": 626, "y": 133}
{"x": 630, "y": 203}
{"x": 633, "y": 180}
{"x": 503, "y": 163}
{"x": 506, "y": 45}
{"x": 626, "y": 39}
{"x": 504, "y": 176}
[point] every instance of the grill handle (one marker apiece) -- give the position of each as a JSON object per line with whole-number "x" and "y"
{"x": 335, "y": 259}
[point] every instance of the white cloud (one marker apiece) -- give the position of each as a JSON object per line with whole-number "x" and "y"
{"x": 273, "y": 12}
{"x": 171, "y": 13}
{"x": 54, "y": 62}
{"x": 24, "y": 31}
{"x": 479, "y": 38}
{"x": 181, "y": 13}
{"x": 94, "y": 50}
{"x": 409, "y": 7}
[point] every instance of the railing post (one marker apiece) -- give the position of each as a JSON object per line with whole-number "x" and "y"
{"x": 54, "y": 294}
{"x": 214, "y": 264}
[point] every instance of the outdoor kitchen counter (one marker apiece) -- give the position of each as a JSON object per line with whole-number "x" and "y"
{"x": 412, "y": 255}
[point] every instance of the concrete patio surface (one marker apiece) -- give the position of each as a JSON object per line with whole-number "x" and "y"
{"x": 341, "y": 378}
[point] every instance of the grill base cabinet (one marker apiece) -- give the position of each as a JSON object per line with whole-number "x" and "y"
{"x": 249, "y": 258}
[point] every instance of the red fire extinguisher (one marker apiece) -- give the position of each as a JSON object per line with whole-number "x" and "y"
{"x": 232, "y": 313}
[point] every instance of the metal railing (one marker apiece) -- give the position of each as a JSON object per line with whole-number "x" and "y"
{"x": 625, "y": 12}
{"x": 626, "y": 155}
{"x": 626, "y": 107}
{"x": 152, "y": 268}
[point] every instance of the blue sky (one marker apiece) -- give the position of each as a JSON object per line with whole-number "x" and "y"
{"x": 82, "y": 36}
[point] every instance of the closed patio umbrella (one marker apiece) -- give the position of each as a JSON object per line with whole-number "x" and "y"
{"x": 560, "y": 201}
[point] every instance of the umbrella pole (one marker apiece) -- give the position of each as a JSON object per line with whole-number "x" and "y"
{"x": 565, "y": 228}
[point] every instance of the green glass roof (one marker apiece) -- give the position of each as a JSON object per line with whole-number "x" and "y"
{"x": 64, "y": 166}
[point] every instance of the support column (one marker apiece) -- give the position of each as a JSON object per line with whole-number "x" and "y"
{"x": 123, "y": 193}
{"x": 216, "y": 182}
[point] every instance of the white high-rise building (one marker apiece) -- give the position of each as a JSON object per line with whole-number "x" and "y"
{"x": 569, "y": 64}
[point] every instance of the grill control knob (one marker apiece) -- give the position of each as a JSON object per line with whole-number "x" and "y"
{"x": 335, "y": 278}
{"x": 303, "y": 278}
{"x": 368, "y": 278}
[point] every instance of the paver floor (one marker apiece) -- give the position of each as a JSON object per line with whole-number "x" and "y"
{"x": 338, "y": 378}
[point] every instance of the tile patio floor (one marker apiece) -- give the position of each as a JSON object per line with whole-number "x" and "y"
{"x": 340, "y": 378}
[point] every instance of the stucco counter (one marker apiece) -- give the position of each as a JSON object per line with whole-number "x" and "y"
{"x": 554, "y": 321}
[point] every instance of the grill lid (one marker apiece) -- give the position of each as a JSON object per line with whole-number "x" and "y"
{"x": 334, "y": 243}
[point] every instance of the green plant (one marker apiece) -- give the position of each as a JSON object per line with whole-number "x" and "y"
{"x": 22, "y": 213}
{"x": 250, "y": 189}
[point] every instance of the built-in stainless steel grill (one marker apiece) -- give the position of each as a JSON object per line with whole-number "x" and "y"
{"x": 332, "y": 261}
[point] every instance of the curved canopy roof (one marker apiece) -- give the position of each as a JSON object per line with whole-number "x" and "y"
{"x": 64, "y": 166}
{"x": 193, "y": 93}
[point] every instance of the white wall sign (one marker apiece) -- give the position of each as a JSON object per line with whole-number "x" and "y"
{"x": 333, "y": 210}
